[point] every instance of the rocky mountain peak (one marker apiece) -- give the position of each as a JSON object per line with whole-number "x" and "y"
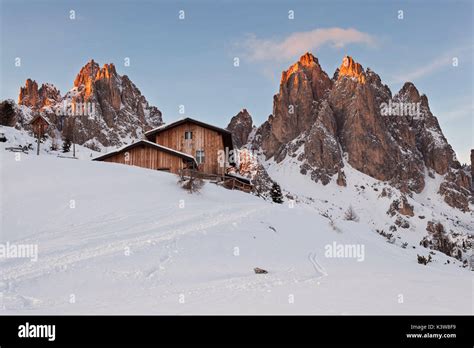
{"x": 87, "y": 74}
{"x": 114, "y": 107}
{"x": 108, "y": 71}
{"x": 49, "y": 95}
{"x": 306, "y": 62}
{"x": 350, "y": 68}
{"x": 35, "y": 98}
{"x": 302, "y": 86}
{"x": 324, "y": 124}
{"x": 409, "y": 93}
{"x": 29, "y": 94}
{"x": 308, "y": 59}
{"x": 240, "y": 126}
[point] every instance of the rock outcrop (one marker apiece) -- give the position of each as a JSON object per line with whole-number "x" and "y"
{"x": 29, "y": 95}
{"x": 472, "y": 170}
{"x": 241, "y": 125}
{"x": 103, "y": 108}
{"x": 36, "y": 99}
{"x": 295, "y": 107}
{"x": 350, "y": 68}
{"x": 353, "y": 116}
{"x": 401, "y": 206}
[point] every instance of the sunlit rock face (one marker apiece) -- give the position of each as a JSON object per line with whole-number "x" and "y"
{"x": 29, "y": 94}
{"x": 350, "y": 68}
{"x": 319, "y": 121}
{"x": 36, "y": 99}
{"x": 102, "y": 108}
{"x": 295, "y": 107}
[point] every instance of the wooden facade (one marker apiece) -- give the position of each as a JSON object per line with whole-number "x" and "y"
{"x": 185, "y": 144}
{"x": 148, "y": 155}
{"x": 191, "y": 136}
{"x": 202, "y": 139}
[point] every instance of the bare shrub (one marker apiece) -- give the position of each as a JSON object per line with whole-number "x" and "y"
{"x": 350, "y": 214}
{"x": 192, "y": 184}
{"x": 423, "y": 260}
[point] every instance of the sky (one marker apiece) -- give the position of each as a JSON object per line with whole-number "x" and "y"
{"x": 191, "y": 61}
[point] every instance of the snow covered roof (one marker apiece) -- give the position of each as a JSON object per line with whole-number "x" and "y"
{"x": 42, "y": 117}
{"x": 227, "y": 136}
{"x": 150, "y": 144}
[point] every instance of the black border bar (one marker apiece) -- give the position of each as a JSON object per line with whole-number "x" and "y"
{"x": 241, "y": 330}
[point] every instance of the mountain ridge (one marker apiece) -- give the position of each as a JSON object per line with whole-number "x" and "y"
{"x": 322, "y": 121}
{"x": 109, "y": 109}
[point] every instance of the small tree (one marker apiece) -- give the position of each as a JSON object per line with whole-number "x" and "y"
{"x": 350, "y": 214}
{"x": 276, "y": 194}
{"x": 192, "y": 184}
{"x": 7, "y": 113}
{"x": 423, "y": 260}
{"x": 66, "y": 145}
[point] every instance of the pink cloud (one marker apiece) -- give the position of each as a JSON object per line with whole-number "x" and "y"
{"x": 294, "y": 45}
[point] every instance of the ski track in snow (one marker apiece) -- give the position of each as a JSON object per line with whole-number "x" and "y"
{"x": 60, "y": 261}
{"x": 320, "y": 271}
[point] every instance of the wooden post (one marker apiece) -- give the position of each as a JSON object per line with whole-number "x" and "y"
{"x": 38, "y": 144}
{"x": 73, "y": 136}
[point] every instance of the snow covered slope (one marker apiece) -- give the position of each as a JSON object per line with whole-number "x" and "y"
{"x": 22, "y": 138}
{"x": 120, "y": 239}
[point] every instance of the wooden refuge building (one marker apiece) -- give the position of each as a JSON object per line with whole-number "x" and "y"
{"x": 184, "y": 144}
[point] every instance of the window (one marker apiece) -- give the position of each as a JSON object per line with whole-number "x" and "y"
{"x": 200, "y": 156}
{"x": 188, "y": 135}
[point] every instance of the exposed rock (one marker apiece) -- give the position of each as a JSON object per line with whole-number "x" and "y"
{"x": 341, "y": 178}
{"x": 366, "y": 136}
{"x": 434, "y": 228}
{"x": 458, "y": 246}
{"x": 240, "y": 126}
{"x": 249, "y": 167}
{"x": 48, "y": 95}
{"x": 260, "y": 271}
{"x": 395, "y": 140}
{"x": 29, "y": 94}
{"x": 402, "y": 223}
{"x": 428, "y": 137}
{"x": 34, "y": 98}
{"x": 295, "y": 107}
{"x": 317, "y": 149}
{"x": 102, "y": 108}
{"x": 405, "y": 208}
{"x": 350, "y": 68}
{"x": 455, "y": 189}
{"x": 472, "y": 170}
{"x": 401, "y": 206}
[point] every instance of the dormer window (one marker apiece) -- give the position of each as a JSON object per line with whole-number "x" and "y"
{"x": 188, "y": 135}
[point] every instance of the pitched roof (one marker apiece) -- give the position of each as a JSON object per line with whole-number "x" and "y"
{"x": 226, "y": 135}
{"x": 42, "y": 117}
{"x": 150, "y": 144}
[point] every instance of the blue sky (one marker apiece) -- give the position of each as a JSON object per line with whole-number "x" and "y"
{"x": 190, "y": 62}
